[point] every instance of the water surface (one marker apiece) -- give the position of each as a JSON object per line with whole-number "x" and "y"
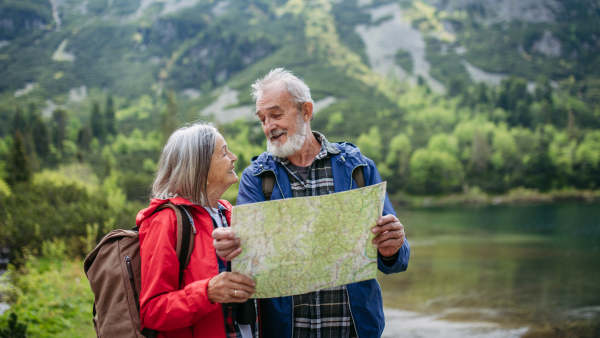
{"x": 516, "y": 265}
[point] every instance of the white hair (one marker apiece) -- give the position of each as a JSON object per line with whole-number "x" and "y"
{"x": 292, "y": 145}
{"x": 297, "y": 89}
{"x": 184, "y": 163}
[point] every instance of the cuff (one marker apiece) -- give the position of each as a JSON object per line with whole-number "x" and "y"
{"x": 197, "y": 296}
{"x": 389, "y": 261}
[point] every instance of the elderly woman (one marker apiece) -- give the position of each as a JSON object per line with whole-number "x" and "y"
{"x": 195, "y": 169}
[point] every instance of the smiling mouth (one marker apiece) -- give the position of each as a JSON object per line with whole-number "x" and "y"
{"x": 232, "y": 170}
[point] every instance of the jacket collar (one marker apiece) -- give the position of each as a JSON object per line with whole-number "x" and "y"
{"x": 337, "y": 151}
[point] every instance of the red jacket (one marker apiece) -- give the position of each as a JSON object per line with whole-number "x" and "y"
{"x": 178, "y": 311}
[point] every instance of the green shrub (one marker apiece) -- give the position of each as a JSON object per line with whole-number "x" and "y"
{"x": 51, "y": 296}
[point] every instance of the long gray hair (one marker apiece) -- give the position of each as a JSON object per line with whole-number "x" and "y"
{"x": 184, "y": 163}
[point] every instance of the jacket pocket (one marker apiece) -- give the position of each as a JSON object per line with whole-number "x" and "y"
{"x": 117, "y": 322}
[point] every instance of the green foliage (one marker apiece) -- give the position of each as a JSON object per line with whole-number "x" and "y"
{"x": 41, "y": 137}
{"x": 59, "y": 204}
{"x": 435, "y": 171}
{"x": 59, "y": 127}
{"x": 109, "y": 116}
{"x": 50, "y": 295}
{"x": 444, "y": 143}
{"x": 97, "y": 122}
{"x": 404, "y": 59}
{"x": 19, "y": 122}
{"x": 18, "y": 169}
{"x": 4, "y": 188}
{"x": 23, "y": 15}
{"x": 370, "y": 144}
{"x": 499, "y": 135}
{"x": 14, "y": 329}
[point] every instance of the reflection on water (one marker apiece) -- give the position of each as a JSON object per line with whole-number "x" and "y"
{"x": 512, "y": 264}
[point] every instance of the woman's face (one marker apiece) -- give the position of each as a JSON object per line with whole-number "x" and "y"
{"x": 221, "y": 175}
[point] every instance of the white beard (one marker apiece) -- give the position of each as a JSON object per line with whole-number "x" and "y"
{"x": 293, "y": 144}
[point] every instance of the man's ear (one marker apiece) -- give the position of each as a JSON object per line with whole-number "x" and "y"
{"x": 307, "y": 111}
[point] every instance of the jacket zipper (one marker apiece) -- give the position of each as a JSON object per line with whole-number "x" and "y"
{"x": 132, "y": 281}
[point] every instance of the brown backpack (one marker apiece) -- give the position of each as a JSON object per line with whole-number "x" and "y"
{"x": 114, "y": 271}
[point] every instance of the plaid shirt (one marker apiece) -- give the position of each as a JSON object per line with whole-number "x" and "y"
{"x": 323, "y": 313}
{"x": 232, "y": 330}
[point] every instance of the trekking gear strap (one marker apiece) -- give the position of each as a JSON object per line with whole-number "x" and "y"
{"x": 268, "y": 181}
{"x": 268, "y": 184}
{"x": 358, "y": 176}
{"x": 184, "y": 248}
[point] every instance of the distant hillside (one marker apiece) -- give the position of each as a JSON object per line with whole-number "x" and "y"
{"x": 399, "y": 78}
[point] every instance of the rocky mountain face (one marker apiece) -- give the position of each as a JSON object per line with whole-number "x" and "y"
{"x": 133, "y": 47}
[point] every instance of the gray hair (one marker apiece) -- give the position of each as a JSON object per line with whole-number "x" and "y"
{"x": 184, "y": 163}
{"x": 298, "y": 90}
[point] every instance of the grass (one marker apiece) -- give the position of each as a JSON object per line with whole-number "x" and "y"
{"x": 52, "y": 296}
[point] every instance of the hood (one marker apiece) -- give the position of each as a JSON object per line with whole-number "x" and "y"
{"x": 155, "y": 203}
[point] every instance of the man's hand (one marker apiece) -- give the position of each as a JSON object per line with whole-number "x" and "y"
{"x": 227, "y": 246}
{"x": 228, "y": 287}
{"x": 390, "y": 236}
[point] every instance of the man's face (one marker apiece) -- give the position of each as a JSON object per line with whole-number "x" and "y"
{"x": 283, "y": 125}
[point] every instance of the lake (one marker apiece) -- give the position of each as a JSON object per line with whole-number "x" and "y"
{"x": 515, "y": 266}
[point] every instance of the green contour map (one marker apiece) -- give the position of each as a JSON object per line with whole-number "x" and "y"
{"x": 298, "y": 245}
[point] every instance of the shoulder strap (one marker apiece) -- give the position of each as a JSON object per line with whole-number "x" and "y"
{"x": 358, "y": 176}
{"x": 268, "y": 184}
{"x": 185, "y": 235}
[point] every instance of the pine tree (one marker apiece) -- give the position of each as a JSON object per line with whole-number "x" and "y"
{"x": 97, "y": 122}
{"x": 18, "y": 170}
{"x": 109, "y": 116}
{"x": 41, "y": 137}
{"x": 32, "y": 114}
{"x": 14, "y": 329}
{"x": 59, "y": 118}
{"x": 84, "y": 138}
{"x": 168, "y": 125}
{"x": 19, "y": 121}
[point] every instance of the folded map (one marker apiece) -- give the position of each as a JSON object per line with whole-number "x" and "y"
{"x": 299, "y": 245}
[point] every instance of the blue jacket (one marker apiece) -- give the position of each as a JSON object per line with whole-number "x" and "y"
{"x": 365, "y": 297}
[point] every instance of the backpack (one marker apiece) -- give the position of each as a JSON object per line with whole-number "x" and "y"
{"x": 268, "y": 181}
{"x": 113, "y": 269}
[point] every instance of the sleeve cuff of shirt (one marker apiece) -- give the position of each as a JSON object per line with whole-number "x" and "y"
{"x": 389, "y": 261}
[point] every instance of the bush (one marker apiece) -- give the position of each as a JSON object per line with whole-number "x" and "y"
{"x": 51, "y": 296}
{"x": 55, "y": 206}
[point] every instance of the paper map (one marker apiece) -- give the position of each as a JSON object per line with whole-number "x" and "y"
{"x": 299, "y": 245}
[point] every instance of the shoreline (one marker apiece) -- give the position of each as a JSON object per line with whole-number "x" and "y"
{"x": 410, "y": 324}
{"x": 476, "y": 197}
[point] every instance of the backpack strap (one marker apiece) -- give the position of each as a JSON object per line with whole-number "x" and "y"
{"x": 358, "y": 176}
{"x": 184, "y": 247}
{"x": 268, "y": 181}
{"x": 185, "y": 234}
{"x": 268, "y": 184}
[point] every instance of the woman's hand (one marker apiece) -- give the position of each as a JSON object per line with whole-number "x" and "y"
{"x": 227, "y": 246}
{"x": 228, "y": 287}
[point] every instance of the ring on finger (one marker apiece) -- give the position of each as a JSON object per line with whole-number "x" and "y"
{"x": 235, "y": 293}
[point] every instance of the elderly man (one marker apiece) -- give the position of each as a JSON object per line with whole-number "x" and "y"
{"x": 304, "y": 163}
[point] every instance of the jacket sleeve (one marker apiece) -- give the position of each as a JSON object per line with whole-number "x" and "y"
{"x": 404, "y": 252}
{"x": 250, "y": 190}
{"x": 163, "y": 306}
